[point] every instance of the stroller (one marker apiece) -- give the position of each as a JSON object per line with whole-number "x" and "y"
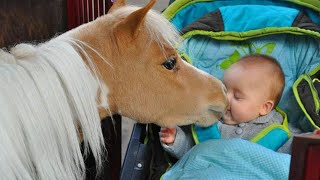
{"x": 216, "y": 34}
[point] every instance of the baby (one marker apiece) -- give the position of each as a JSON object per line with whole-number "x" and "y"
{"x": 254, "y": 87}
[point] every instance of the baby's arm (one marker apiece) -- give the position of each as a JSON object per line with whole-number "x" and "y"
{"x": 176, "y": 141}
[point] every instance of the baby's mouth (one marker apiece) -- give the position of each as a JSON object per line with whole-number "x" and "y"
{"x": 227, "y": 114}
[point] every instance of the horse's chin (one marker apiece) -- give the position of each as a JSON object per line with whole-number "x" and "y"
{"x": 209, "y": 119}
{"x": 203, "y": 120}
{"x": 205, "y": 123}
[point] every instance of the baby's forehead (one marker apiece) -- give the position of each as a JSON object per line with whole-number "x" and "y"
{"x": 254, "y": 65}
{"x": 248, "y": 67}
{"x": 248, "y": 75}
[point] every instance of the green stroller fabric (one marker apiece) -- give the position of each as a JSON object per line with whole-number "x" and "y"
{"x": 306, "y": 90}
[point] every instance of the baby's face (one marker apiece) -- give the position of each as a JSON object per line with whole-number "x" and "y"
{"x": 246, "y": 93}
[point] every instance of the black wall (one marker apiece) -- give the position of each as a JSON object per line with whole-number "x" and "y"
{"x": 31, "y": 20}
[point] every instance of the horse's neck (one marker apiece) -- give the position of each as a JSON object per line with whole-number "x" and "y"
{"x": 98, "y": 47}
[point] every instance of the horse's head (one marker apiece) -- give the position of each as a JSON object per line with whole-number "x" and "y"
{"x": 148, "y": 80}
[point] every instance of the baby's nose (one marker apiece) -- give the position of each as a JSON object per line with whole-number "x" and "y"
{"x": 228, "y": 101}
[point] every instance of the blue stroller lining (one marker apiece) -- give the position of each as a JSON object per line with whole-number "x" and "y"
{"x": 218, "y": 39}
{"x": 214, "y": 56}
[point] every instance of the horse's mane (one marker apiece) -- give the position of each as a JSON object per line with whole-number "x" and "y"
{"x": 47, "y": 93}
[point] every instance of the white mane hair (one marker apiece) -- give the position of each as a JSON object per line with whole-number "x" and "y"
{"x": 157, "y": 26}
{"x": 48, "y": 94}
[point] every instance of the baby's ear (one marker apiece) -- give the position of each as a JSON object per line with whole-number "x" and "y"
{"x": 266, "y": 107}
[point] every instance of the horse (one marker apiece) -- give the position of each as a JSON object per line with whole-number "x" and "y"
{"x": 53, "y": 95}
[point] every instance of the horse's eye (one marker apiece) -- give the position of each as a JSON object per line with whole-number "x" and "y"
{"x": 170, "y": 63}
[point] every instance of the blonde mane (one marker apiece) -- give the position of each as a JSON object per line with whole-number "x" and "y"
{"x": 47, "y": 93}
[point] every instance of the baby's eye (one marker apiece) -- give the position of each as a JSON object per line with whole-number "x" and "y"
{"x": 237, "y": 96}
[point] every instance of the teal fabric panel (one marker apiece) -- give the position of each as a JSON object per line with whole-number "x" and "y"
{"x": 296, "y": 55}
{"x": 211, "y": 132}
{"x": 268, "y": 140}
{"x": 250, "y": 17}
{"x": 194, "y": 11}
{"x": 230, "y": 159}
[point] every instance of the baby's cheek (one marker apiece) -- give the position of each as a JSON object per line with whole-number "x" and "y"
{"x": 237, "y": 106}
{"x": 240, "y": 111}
{"x": 240, "y": 116}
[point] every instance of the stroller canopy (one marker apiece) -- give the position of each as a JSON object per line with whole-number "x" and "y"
{"x": 218, "y": 33}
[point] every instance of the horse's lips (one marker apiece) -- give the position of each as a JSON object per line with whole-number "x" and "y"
{"x": 217, "y": 113}
{"x": 212, "y": 117}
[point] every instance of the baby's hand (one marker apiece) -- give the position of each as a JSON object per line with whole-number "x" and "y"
{"x": 168, "y": 135}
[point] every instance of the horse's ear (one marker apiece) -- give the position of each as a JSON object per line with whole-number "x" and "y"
{"x": 132, "y": 23}
{"x": 117, "y": 4}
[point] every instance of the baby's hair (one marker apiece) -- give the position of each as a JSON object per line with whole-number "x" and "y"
{"x": 276, "y": 73}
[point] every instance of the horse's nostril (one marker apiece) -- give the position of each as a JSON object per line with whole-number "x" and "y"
{"x": 220, "y": 108}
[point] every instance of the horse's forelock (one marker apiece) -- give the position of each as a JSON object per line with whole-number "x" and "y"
{"x": 157, "y": 27}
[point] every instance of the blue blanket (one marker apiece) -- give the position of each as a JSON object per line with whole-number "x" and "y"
{"x": 230, "y": 159}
